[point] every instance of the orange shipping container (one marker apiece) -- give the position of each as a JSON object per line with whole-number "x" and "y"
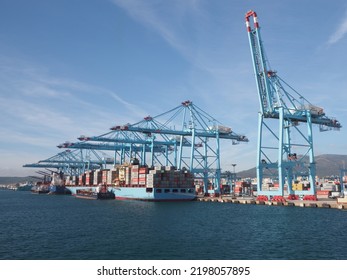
{"x": 323, "y": 192}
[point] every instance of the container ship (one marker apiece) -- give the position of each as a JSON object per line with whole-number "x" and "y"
{"x": 135, "y": 182}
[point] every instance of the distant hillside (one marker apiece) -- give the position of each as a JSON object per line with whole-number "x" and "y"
{"x": 326, "y": 165}
{"x": 15, "y": 180}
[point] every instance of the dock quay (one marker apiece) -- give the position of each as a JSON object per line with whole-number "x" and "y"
{"x": 320, "y": 203}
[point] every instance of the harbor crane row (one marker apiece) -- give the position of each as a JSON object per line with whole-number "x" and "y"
{"x": 179, "y": 137}
{"x": 187, "y": 123}
{"x": 124, "y": 150}
{"x": 73, "y": 162}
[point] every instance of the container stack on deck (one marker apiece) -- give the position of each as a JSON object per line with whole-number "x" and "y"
{"x": 167, "y": 176}
{"x": 112, "y": 175}
{"x": 97, "y": 177}
{"x": 82, "y": 180}
{"x": 89, "y": 178}
{"x": 104, "y": 176}
{"x": 136, "y": 176}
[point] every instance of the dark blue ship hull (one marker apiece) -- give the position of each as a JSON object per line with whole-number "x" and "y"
{"x": 58, "y": 190}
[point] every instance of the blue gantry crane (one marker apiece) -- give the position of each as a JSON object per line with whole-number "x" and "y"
{"x": 189, "y": 130}
{"x": 179, "y": 137}
{"x": 128, "y": 145}
{"x": 131, "y": 144}
{"x": 284, "y": 144}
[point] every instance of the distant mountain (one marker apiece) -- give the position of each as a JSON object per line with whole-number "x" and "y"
{"x": 15, "y": 180}
{"x": 326, "y": 165}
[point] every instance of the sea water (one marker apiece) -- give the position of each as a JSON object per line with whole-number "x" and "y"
{"x": 40, "y": 227}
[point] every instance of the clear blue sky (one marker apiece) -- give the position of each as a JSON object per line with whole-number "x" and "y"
{"x": 73, "y": 67}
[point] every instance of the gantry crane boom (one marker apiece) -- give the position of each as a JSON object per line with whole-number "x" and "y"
{"x": 123, "y": 150}
{"x": 72, "y": 162}
{"x": 204, "y": 126}
{"x": 109, "y": 147}
{"x": 133, "y": 144}
{"x": 272, "y": 91}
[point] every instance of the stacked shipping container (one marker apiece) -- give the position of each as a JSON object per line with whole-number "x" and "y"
{"x": 97, "y": 177}
{"x": 242, "y": 187}
{"x": 89, "y": 178}
{"x": 138, "y": 176}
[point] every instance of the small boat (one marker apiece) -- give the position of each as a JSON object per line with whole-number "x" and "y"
{"x": 86, "y": 194}
{"x": 95, "y": 193}
{"x": 25, "y": 186}
{"x": 40, "y": 189}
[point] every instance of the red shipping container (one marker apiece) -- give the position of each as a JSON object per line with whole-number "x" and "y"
{"x": 143, "y": 170}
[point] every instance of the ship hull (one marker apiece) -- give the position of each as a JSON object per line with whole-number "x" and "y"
{"x": 146, "y": 194}
{"x": 26, "y": 187}
{"x": 75, "y": 189}
{"x": 138, "y": 193}
{"x": 58, "y": 190}
{"x": 90, "y": 192}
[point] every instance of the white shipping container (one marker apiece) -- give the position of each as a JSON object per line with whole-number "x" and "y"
{"x": 153, "y": 182}
{"x": 97, "y": 177}
{"x": 220, "y": 128}
{"x": 111, "y": 176}
{"x": 169, "y": 168}
{"x": 315, "y": 110}
{"x": 134, "y": 175}
{"x": 335, "y": 194}
{"x": 153, "y": 176}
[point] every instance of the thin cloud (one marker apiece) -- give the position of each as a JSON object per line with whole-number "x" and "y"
{"x": 167, "y": 22}
{"x": 136, "y": 111}
{"x": 340, "y": 32}
{"x": 186, "y": 26}
{"x": 12, "y": 136}
{"x": 44, "y": 110}
{"x": 33, "y": 115}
